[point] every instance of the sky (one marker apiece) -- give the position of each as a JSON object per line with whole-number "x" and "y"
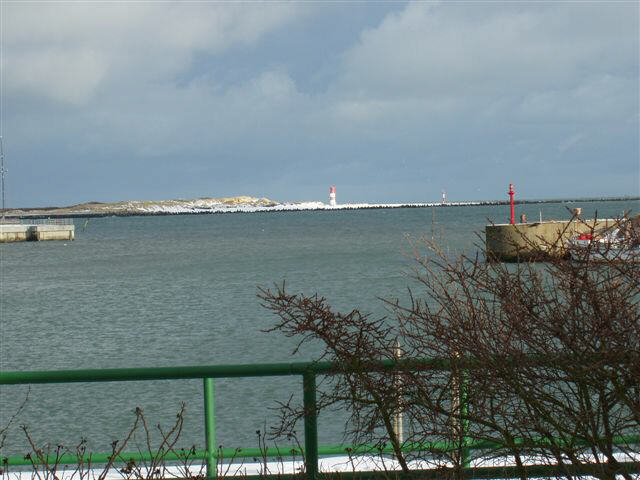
{"x": 388, "y": 101}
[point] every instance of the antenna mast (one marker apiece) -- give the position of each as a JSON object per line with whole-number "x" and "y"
{"x": 2, "y": 172}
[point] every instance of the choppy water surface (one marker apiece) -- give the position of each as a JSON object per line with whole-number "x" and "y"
{"x": 181, "y": 290}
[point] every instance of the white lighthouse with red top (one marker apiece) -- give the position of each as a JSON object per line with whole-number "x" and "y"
{"x": 332, "y": 196}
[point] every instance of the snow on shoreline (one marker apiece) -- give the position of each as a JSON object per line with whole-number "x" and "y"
{"x": 285, "y": 207}
{"x": 174, "y": 208}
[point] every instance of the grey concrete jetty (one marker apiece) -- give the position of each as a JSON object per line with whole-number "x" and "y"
{"x": 37, "y": 230}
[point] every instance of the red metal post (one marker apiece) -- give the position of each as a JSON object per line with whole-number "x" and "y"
{"x": 511, "y": 194}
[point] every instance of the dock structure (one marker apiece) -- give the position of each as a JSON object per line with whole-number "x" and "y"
{"x": 521, "y": 241}
{"x": 37, "y": 230}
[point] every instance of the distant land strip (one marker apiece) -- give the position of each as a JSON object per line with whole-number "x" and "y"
{"x": 246, "y": 204}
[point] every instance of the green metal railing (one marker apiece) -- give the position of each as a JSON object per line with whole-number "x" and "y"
{"x": 311, "y": 451}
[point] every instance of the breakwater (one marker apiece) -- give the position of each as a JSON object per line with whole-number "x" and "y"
{"x": 526, "y": 241}
{"x": 215, "y": 206}
{"x": 33, "y": 232}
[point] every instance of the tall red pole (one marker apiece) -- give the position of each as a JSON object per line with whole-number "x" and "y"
{"x": 511, "y": 194}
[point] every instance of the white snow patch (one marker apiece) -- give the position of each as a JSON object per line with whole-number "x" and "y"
{"x": 360, "y": 463}
{"x": 207, "y": 206}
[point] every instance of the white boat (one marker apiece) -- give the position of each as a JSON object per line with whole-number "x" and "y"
{"x": 618, "y": 243}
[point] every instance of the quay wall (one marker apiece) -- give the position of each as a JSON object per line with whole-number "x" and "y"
{"x": 27, "y": 233}
{"x": 511, "y": 243}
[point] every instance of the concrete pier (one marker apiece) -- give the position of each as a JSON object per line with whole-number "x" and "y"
{"x": 35, "y": 232}
{"x": 512, "y": 243}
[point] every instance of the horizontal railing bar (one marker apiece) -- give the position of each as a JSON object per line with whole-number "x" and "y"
{"x": 470, "y": 473}
{"x": 269, "y": 369}
{"x": 206, "y": 371}
{"x": 284, "y": 451}
{"x": 159, "y": 373}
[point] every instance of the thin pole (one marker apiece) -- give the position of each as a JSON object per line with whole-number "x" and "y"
{"x": 460, "y": 411}
{"x": 210, "y": 428}
{"x": 397, "y": 381}
{"x": 2, "y": 171}
{"x": 310, "y": 424}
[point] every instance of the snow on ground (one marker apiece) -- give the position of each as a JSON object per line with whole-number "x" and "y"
{"x": 362, "y": 463}
{"x": 191, "y": 207}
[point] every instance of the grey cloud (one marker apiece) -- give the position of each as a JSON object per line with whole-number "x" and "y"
{"x": 69, "y": 76}
{"x": 432, "y": 93}
{"x": 434, "y": 50}
{"x": 65, "y": 51}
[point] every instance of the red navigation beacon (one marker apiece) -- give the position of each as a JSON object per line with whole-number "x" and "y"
{"x": 512, "y": 192}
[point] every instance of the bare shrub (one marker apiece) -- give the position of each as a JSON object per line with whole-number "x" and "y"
{"x": 538, "y": 362}
{"x": 153, "y": 459}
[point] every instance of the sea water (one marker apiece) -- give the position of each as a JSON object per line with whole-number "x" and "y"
{"x": 181, "y": 290}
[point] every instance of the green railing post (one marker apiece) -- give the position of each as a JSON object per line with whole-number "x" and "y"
{"x": 310, "y": 424}
{"x": 210, "y": 428}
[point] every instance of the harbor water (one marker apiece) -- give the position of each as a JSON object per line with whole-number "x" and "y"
{"x": 181, "y": 290}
